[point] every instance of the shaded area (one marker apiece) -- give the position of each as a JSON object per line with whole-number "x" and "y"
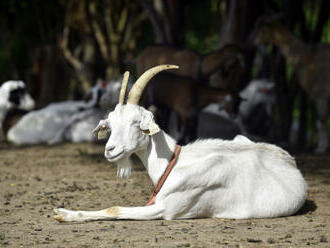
{"x": 308, "y": 207}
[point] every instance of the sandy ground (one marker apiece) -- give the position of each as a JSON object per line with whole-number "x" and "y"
{"x": 35, "y": 180}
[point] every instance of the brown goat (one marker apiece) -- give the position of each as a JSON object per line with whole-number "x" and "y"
{"x": 187, "y": 60}
{"x": 186, "y": 97}
{"x": 225, "y": 67}
{"x": 312, "y": 65}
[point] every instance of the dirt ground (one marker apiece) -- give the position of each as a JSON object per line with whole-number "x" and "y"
{"x": 35, "y": 180}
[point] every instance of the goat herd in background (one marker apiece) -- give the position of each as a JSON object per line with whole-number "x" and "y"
{"x": 206, "y": 98}
{"x": 205, "y": 115}
{"x": 57, "y": 122}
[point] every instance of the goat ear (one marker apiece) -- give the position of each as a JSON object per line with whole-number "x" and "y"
{"x": 148, "y": 124}
{"x": 101, "y": 130}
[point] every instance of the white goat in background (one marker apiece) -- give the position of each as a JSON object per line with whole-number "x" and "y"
{"x": 62, "y": 121}
{"x": 211, "y": 178}
{"x": 13, "y": 95}
{"x": 109, "y": 99}
{"x": 254, "y": 117}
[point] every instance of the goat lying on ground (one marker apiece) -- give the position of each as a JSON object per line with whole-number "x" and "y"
{"x": 211, "y": 178}
{"x": 312, "y": 64}
{"x": 63, "y": 121}
{"x": 186, "y": 97}
{"x": 14, "y": 103}
{"x": 109, "y": 98}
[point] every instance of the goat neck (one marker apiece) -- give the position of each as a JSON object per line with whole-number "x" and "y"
{"x": 217, "y": 59}
{"x": 157, "y": 155}
{"x": 292, "y": 48}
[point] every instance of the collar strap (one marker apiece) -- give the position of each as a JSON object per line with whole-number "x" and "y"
{"x": 165, "y": 175}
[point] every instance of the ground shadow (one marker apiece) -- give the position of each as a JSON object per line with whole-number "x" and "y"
{"x": 308, "y": 207}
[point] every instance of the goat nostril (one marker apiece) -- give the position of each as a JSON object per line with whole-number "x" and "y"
{"x": 109, "y": 148}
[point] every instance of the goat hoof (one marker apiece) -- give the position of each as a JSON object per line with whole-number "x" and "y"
{"x": 61, "y": 215}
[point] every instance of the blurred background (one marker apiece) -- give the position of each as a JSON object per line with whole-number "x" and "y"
{"x": 61, "y": 48}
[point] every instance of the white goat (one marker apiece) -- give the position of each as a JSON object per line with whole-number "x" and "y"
{"x": 13, "y": 95}
{"x": 64, "y": 121}
{"x": 254, "y": 116}
{"x": 109, "y": 99}
{"x": 211, "y": 178}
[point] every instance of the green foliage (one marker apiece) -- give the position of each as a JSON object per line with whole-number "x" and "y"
{"x": 311, "y": 12}
{"x": 205, "y": 46}
{"x": 202, "y": 26}
{"x": 25, "y": 25}
{"x": 147, "y": 38}
{"x": 289, "y": 71}
{"x": 326, "y": 33}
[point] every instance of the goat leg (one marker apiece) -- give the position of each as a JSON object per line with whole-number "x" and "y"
{"x": 135, "y": 213}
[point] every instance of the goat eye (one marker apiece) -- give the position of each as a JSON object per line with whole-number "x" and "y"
{"x": 103, "y": 132}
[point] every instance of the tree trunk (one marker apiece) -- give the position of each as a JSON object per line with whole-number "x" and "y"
{"x": 49, "y": 78}
{"x": 167, "y": 19}
{"x": 240, "y": 21}
{"x": 284, "y": 106}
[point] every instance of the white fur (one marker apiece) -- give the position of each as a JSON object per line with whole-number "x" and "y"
{"x": 212, "y": 178}
{"x": 26, "y": 101}
{"x": 253, "y": 95}
{"x": 71, "y": 121}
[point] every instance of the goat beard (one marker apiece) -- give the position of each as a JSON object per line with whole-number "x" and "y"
{"x": 124, "y": 168}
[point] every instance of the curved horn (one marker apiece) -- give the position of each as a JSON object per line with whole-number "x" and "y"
{"x": 137, "y": 89}
{"x": 123, "y": 88}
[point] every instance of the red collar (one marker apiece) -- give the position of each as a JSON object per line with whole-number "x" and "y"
{"x": 165, "y": 175}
